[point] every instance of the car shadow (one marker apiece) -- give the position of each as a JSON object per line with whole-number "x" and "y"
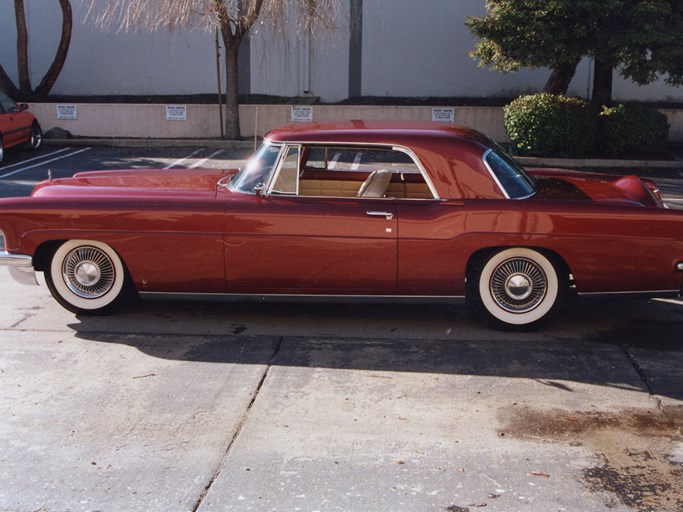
{"x": 624, "y": 344}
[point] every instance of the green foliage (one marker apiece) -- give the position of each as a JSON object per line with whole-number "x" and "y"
{"x": 551, "y": 125}
{"x": 529, "y": 33}
{"x": 640, "y": 38}
{"x": 632, "y": 130}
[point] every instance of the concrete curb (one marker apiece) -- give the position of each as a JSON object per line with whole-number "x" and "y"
{"x": 599, "y": 163}
{"x": 569, "y": 163}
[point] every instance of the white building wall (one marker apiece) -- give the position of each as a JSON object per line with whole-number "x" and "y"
{"x": 109, "y": 63}
{"x": 294, "y": 64}
{"x": 410, "y": 48}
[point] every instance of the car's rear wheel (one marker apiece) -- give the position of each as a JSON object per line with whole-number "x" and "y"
{"x": 518, "y": 286}
{"x": 36, "y": 139}
{"x": 87, "y": 277}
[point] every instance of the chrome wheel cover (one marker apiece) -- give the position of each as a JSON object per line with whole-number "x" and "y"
{"x": 518, "y": 285}
{"x": 88, "y": 272}
{"x": 36, "y": 137}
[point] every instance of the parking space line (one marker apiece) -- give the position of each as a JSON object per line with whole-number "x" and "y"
{"x": 44, "y": 162}
{"x": 202, "y": 161}
{"x": 181, "y": 160}
{"x": 23, "y": 162}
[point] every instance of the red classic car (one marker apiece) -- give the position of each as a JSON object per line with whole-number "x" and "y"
{"x": 353, "y": 209}
{"x": 17, "y": 126}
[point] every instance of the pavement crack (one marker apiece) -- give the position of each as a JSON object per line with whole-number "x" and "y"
{"x": 233, "y": 439}
{"x": 636, "y": 366}
{"x": 643, "y": 377}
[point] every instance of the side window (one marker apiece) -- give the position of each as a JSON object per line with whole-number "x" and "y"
{"x": 287, "y": 181}
{"x": 360, "y": 171}
{"x": 7, "y": 105}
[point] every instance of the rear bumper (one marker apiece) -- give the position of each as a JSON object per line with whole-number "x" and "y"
{"x": 20, "y": 267}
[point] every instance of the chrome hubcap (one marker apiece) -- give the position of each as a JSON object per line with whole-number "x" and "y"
{"x": 88, "y": 272}
{"x": 518, "y": 285}
{"x": 36, "y": 138}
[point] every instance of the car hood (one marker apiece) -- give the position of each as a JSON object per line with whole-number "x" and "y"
{"x": 589, "y": 186}
{"x": 191, "y": 183}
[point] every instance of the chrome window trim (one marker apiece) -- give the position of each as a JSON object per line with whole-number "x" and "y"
{"x": 495, "y": 178}
{"x": 493, "y": 174}
{"x": 420, "y": 167}
{"x": 284, "y": 150}
{"x": 393, "y": 147}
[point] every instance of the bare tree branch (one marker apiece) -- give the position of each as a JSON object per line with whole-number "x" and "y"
{"x": 55, "y": 69}
{"x": 234, "y": 18}
{"x": 7, "y": 85}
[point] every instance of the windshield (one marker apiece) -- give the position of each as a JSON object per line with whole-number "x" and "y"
{"x": 514, "y": 180}
{"x": 258, "y": 170}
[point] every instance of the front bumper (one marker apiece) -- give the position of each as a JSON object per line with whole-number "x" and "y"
{"x": 20, "y": 267}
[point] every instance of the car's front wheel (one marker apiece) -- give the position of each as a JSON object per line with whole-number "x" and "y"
{"x": 518, "y": 286}
{"x": 36, "y": 139}
{"x": 87, "y": 277}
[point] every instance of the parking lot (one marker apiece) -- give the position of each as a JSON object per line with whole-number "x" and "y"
{"x": 179, "y": 406}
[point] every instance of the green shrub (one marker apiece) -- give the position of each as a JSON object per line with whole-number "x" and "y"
{"x": 551, "y": 125}
{"x": 632, "y": 130}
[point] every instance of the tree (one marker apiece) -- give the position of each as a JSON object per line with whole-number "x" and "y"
{"x": 234, "y": 19}
{"x": 25, "y": 91}
{"x": 639, "y": 38}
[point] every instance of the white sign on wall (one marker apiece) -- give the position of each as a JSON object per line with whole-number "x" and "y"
{"x": 176, "y": 112}
{"x": 67, "y": 112}
{"x": 443, "y": 115}
{"x": 302, "y": 114}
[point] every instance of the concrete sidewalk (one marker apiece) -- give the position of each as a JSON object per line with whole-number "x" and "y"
{"x": 253, "y": 407}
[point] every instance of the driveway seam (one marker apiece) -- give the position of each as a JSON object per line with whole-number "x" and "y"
{"x": 240, "y": 426}
{"x": 642, "y": 376}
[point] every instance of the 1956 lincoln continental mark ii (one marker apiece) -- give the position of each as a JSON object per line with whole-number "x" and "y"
{"x": 350, "y": 209}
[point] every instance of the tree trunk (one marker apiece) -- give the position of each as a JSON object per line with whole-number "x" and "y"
{"x": 602, "y": 81}
{"x": 560, "y": 78}
{"x": 22, "y": 49}
{"x": 232, "y": 104}
{"x": 52, "y": 74}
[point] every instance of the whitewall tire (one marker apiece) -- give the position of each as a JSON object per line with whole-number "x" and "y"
{"x": 87, "y": 277}
{"x": 518, "y": 286}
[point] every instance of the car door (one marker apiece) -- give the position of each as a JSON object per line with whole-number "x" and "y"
{"x": 11, "y": 122}
{"x": 283, "y": 242}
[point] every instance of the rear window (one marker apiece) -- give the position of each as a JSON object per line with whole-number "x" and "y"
{"x": 510, "y": 176}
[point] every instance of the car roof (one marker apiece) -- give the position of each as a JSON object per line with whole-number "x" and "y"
{"x": 380, "y": 132}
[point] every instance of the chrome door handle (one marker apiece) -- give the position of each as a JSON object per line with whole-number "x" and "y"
{"x": 386, "y": 215}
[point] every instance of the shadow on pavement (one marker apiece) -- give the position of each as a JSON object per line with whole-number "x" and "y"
{"x": 622, "y": 344}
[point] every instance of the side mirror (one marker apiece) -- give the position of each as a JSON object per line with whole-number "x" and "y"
{"x": 259, "y": 189}
{"x": 22, "y": 107}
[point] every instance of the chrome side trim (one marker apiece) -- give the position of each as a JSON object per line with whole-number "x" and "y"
{"x": 260, "y": 297}
{"x": 643, "y": 294}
